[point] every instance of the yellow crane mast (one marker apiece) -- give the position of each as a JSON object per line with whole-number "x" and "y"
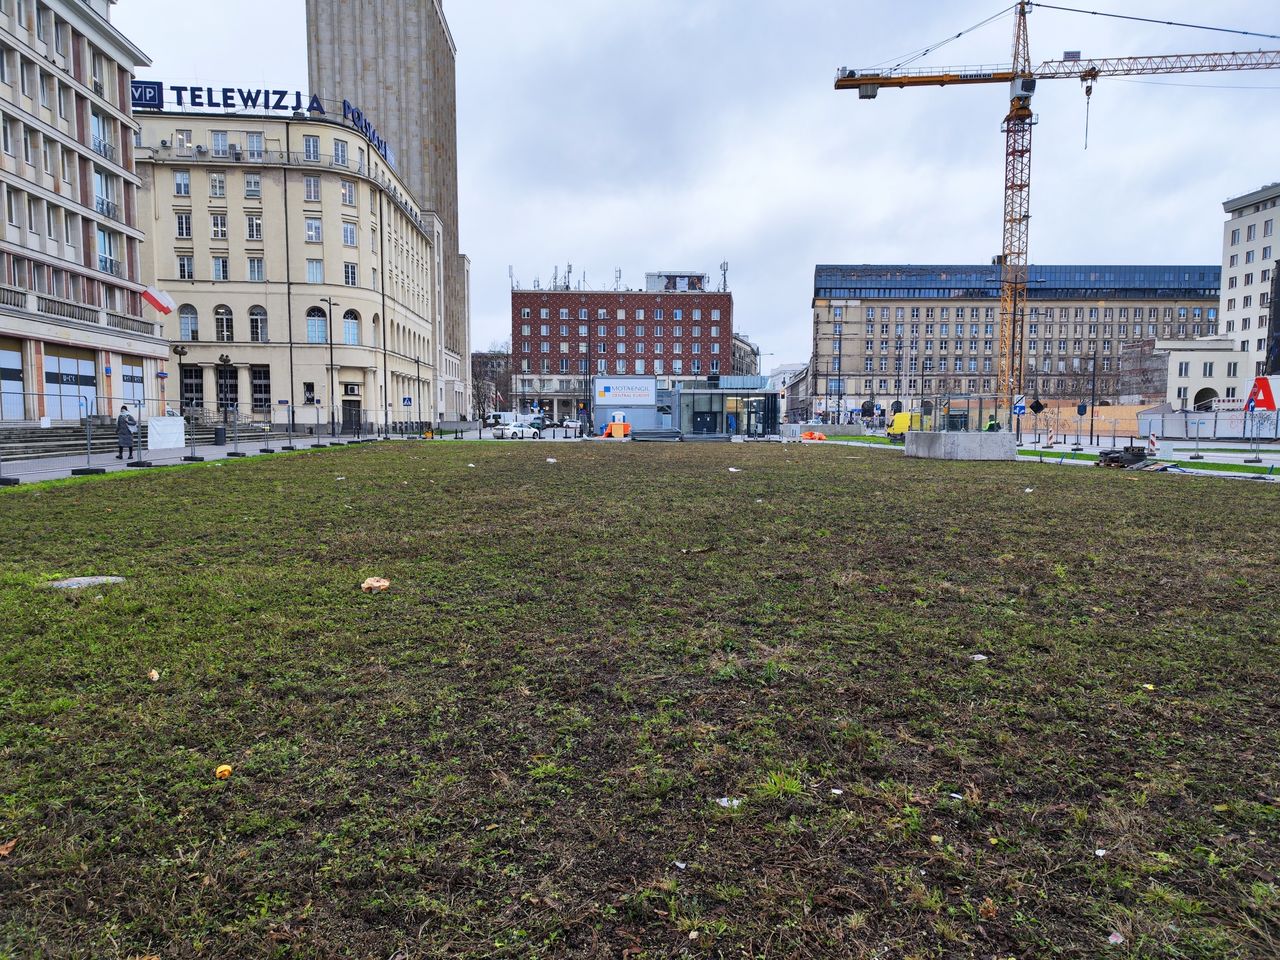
{"x": 1022, "y": 78}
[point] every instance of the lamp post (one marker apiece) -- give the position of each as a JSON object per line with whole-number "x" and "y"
{"x": 333, "y": 427}
{"x": 180, "y": 351}
{"x": 1093, "y": 391}
{"x": 224, "y": 364}
{"x": 417, "y": 373}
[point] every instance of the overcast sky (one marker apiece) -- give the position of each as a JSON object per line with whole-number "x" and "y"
{"x": 659, "y": 134}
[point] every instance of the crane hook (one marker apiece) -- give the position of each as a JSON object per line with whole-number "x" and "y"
{"x": 1088, "y": 99}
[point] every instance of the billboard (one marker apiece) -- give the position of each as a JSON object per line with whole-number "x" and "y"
{"x": 626, "y": 391}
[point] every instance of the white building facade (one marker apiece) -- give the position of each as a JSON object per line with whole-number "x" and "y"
{"x": 1248, "y": 259}
{"x": 306, "y": 277}
{"x": 73, "y": 338}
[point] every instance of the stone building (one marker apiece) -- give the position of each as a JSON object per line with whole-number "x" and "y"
{"x": 306, "y": 276}
{"x": 895, "y": 334}
{"x": 73, "y": 336}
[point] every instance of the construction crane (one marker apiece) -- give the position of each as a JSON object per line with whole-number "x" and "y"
{"x": 1022, "y": 78}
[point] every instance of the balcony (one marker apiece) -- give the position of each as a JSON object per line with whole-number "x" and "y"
{"x": 110, "y": 265}
{"x": 108, "y": 208}
{"x": 42, "y": 305}
{"x": 104, "y": 148}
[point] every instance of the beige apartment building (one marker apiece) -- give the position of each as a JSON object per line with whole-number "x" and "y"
{"x": 306, "y": 275}
{"x": 902, "y": 335}
{"x": 73, "y": 338}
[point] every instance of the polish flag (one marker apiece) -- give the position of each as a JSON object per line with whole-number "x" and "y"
{"x": 159, "y": 299}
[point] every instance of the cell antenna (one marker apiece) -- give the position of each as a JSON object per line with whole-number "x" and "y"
{"x": 617, "y": 278}
{"x": 724, "y": 276}
{"x": 511, "y": 274}
{"x": 568, "y": 273}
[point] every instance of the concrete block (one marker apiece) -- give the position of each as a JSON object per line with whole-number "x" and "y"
{"x": 961, "y": 446}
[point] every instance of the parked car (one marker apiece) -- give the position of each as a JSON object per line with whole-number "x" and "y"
{"x": 573, "y": 425}
{"x": 517, "y": 431}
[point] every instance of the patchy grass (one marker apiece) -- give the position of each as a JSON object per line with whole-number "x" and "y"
{"x": 633, "y": 702}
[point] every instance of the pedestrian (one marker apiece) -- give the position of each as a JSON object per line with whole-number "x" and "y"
{"x": 125, "y": 427}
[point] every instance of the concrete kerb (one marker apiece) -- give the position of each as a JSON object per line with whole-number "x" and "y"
{"x": 961, "y": 446}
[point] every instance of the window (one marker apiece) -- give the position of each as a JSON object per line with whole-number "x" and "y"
{"x": 217, "y": 184}
{"x": 183, "y": 223}
{"x": 1235, "y": 236}
{"x": 218, "y": 226}
{"x": 253, "y": 144}
{"x": 1184, "y": 368}
{"x": 311, "y": 189}
{"x": 314, "y": 230}
{"x": 260, "y": 387}
{"x": 311, "y": 148}
{"x": 192, "y": 385}
{"x": 219, "y": 143}
{"x": 186, "y": 267}
{"x": 255, "y": 271}
{"x": 182, "y": 183}
{"x": 252, "y": 186}
{"x": 315, "y": 271}
{"x": 348, "y": 234}
{"x": 317, "y": 326}
{"x": 220, "y": 271}
{"x": 348, "y": 193}
{"x": 340, "y": 153}
{"x": 253, "y": 226}
{"x": 1208, "y": 367}
{"x": 351, "y": 327}
{"x": 223, "y": 324}
{"x": 188, "y": 322}
{"x": 350, "y": 274}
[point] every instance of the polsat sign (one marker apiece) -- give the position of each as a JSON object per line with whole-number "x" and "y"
{"x": 152, "y": 95}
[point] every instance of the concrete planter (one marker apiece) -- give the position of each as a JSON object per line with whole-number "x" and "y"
{"x": 961, "y": 446}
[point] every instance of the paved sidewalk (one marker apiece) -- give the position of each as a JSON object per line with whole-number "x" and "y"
{"x": 55, "y": 468}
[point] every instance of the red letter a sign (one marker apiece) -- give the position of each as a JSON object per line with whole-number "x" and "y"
{"x": 1262, "y": 396}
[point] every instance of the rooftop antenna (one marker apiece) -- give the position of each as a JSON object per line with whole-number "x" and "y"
{"x": 568, "y": 272}
{"x": 617, "y": 278}
{"x": 724, "y": 276}
{"x": 555, "y": 278}
{"x": 511, "y": 273}
{"x": 537, "y": 282}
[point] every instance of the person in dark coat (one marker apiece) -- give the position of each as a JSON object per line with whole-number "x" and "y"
{"x": 125, "y": 426}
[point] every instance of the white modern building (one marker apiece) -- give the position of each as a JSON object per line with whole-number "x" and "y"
{"x": 1248, "y": 259}
{"x": 73, "y": 338}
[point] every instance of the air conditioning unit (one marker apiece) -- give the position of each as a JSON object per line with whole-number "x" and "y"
{"x": 164, "y": 144}
{"x": 201, "y": 149}
{"x": 351, "y": 389}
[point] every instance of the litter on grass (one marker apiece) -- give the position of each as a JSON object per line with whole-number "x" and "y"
{"x": 551, "y": 460}
{"x": 730, "y": 803}
{"x": 734, "y": 470}
{"x": 1116, "y": 938}
{"x": 153, "y": 675}
{"x": 680, "y": 864}
{"x": 977, "y": 657}
{"x": 375, "y": 584}
{"x": 836, "y": 792}
{"x": 1029, "y": 490}
{"x": 1099, "y": 852}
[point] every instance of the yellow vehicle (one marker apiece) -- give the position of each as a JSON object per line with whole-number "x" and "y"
{"x": 901, "y": 423}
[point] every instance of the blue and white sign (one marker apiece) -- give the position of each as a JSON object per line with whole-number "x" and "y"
{"x": 1020, "y": 404}
{"x": 407, "y": 401}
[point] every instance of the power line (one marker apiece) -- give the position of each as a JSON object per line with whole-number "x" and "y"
{"x": 1165, "y": 23}
{"x": 924, "y": 51}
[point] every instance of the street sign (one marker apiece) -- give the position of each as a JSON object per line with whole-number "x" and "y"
{"x": 1081, "y": 408}
{"x": 1020, "y": 404}
{"x": 283, "y": 403}
{"x": 1037, "y": 407}
{"x": 407, "y": 401}
{"x": 1253, "y": 404}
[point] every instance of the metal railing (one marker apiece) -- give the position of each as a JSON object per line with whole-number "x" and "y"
{"x": 108, "y": 208}
{"x": 104, "y": 148}
{"x": 110, "y": 265}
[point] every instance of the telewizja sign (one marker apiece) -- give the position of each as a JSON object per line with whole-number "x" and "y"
{"x": 151, "y": 95}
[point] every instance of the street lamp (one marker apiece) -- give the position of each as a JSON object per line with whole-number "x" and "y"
{"x": 224, "y": 364}
{"x": 417, "y": 373}
{"x": 180, "y": 351}
{"x": 333, "y": 427}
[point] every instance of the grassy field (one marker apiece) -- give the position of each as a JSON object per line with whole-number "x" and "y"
{"x": 633, "y": 704}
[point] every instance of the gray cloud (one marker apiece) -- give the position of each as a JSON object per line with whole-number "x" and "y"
{"x": 677, "y": 134}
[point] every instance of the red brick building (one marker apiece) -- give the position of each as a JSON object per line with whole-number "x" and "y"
{"x": 674, "y": 329}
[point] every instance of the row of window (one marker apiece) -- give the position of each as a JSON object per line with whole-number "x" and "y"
{"x": 603, "y": 330}
{"x": 255, "y": 270}
{"x": 313, "y": 228}
{"x": 1034, "y": 313}
{"x": 1234, "y": 259}
{"x": 1234, "y": 281}
{"x": 899, "y": 387}
{"x": 657, "y": 367}
{"x": 227, "y": 382}
{"x": 1247, "y": 301}
{"x": 960, "y": 364}
{"x": 619, "y": 347}
{"x": 1184, "y": 369}
{"x": 311, "y": 186}
{"x": 1251, "y": 232}
{"x": 224, "y": 325}
{"x": 677, "y": 315}
{"x": 225, "y": 145}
